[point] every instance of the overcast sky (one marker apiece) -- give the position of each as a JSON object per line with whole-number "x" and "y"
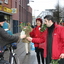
{"x": 40, "y": 5}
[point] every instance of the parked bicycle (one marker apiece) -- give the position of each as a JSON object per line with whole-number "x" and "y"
{"x": 13, "y": 58}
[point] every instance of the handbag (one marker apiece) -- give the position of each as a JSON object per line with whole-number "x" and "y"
{"x": 41, "y": 45}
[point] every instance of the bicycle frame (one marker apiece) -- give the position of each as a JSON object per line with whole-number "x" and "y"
{"x": 13, "y": 59}
{"x": 12, "y": 54}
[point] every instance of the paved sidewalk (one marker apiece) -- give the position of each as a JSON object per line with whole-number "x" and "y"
{"x": 30, "y": 59}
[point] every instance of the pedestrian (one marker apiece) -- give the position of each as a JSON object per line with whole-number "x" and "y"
{"x": 27, "y": 30}
{"x": 5, "y": 38}
{"x": 35, "y": 33}
{"x": 53, "y": 41}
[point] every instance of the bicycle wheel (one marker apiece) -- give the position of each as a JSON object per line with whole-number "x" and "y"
{"x": 14, "y": 59}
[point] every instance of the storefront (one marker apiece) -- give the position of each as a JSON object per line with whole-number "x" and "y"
{"x": 8, "y": 15}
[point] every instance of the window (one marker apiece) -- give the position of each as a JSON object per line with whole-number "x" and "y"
{"x": 6, "y": 1}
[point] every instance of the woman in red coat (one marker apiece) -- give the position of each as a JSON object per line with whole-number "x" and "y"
{"x": 36, "y": 34}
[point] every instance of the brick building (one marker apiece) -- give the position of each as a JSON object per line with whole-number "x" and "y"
{"x": 5, "y": 8}
{"x": 21, "y": 13}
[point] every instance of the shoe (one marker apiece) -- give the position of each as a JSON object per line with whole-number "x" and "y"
{"x": 27, "y": 53}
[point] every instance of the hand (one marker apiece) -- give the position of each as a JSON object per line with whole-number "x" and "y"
{"x": 62, "y": 55}
{"x": 29, "y": 38}
{"x": 22, "y": 36}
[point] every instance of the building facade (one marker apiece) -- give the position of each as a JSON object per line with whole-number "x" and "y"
{"x": 16, "y": 11}
{"x": 23, "y": 14}
{"x": 5, "y": 8}
{"x": 29, "y": 19}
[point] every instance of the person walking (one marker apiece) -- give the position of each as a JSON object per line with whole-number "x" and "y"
{"x": 53, "y": 41}
{"x": 27, "y": 29}
{"x": 5, "y": 38}
{"x": 35, "y": 33}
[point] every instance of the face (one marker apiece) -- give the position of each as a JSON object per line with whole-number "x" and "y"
{"x": 47, "y": 22}
{"x": 1, "y": 23}
{"x": 38, "y": 23}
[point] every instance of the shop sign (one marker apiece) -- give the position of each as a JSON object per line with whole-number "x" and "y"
{"x": 14, "y": 10}
{"x": 7, "y": 10}
{"x": 0, "y": 7}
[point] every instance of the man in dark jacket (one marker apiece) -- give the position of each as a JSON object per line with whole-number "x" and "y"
{"x": 5, "y": 38}
{"x": 53, "y": 40}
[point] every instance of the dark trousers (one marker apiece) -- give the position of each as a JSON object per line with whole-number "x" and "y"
{"x": 61, "y": 61}
{"x": 39, "y": 53}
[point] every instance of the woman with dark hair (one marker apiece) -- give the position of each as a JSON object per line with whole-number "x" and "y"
{"x": 35, "y": 33}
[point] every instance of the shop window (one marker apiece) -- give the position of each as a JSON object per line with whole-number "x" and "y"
{"x": 7, "y": 17}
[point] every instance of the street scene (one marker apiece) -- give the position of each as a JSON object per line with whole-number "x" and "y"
{"x": 31, "y": 31}
{"x": 24, "y": 59}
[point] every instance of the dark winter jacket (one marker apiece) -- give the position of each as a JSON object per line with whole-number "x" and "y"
{"x": 5, "y": 38}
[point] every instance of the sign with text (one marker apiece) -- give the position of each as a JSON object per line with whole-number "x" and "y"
{"x": 7, "y": 10}
{"x": 14, "y": 10}
{"x": 0, "y": 7}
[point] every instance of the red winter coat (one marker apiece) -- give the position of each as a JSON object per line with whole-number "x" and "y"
{"x": 58, "y": 41}
{"x": 36, "y": 34}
